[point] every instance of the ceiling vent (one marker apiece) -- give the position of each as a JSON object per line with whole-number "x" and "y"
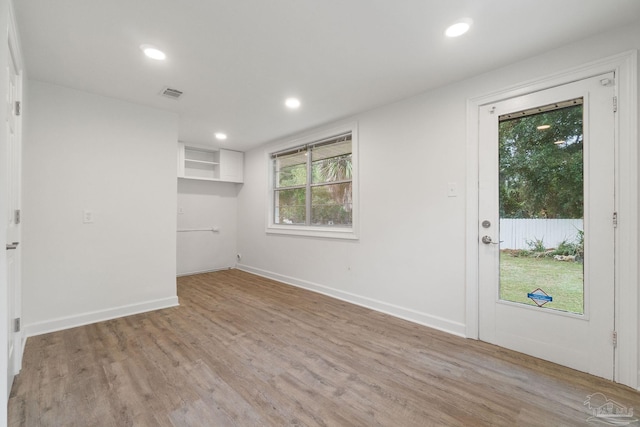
{"x": 171, "y": 93}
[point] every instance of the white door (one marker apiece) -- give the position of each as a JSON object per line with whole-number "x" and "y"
{"x": 547, "y": 174}
{"x": 13, "y": 162}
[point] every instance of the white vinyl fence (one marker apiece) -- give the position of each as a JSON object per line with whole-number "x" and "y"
{"x": 514, "y": 233}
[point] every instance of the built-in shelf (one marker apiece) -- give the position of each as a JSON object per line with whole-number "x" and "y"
{"x": 201, "y": 161}
{"x": 207, "y": 164}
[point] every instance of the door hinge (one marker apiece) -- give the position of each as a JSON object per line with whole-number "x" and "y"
{"x": 615, "y": 104}
{"x": 614, "y": 339}
{"x": 16, "y": 324}
{"x": 18, "y": 108}
{"x": 615, "y": 220}
{"x": 16, "y": 216}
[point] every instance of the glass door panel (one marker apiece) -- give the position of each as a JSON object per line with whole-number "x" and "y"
{"x": 541, "y": 206}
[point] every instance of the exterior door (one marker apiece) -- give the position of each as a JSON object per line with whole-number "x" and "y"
{"x": 546, "y": 232}
{"x": 13, "y": 162}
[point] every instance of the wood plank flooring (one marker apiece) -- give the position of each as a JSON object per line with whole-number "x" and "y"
{"x": 242, "y": 350}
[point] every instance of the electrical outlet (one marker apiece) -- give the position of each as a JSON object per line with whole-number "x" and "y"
{"x": 87, "y": 216}
{"x": 452, "y": 189}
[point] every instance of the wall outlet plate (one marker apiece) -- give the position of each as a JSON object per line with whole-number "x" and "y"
{"x": 87, "y": 216}
{"x": 452, "y": 189}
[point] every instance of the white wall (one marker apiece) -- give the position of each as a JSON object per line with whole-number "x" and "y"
{"x": 209, "y": 205}
{"x": 83, "y": 151}
{"x": 410, "y": 259}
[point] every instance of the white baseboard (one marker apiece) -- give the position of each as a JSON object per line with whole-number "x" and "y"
{"x": 191, "y": 273}
{"x": 61, "y": 323}
{"x": 411, "y": 315}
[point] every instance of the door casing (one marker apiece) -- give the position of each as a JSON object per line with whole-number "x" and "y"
{"x": 14, "y": 304}
{"x": 626, "y": 128}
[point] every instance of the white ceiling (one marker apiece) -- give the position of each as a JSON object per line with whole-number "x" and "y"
{"x": 237, "y": 60}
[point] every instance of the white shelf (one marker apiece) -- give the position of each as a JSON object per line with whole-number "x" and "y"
{"x": 200, "y": 179}
{"x": 204, "y": 162}
{"x": 209, "y": 164}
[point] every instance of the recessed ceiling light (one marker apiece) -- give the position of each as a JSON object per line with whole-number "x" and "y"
{"x": 543, "y": 127}
{"x": 292, "y": 103}
{"x": 153, "y": 52}
{"x": 459, "y": 28}
{"x": 220, "y": 136}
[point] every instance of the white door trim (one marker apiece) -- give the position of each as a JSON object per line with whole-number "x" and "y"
{"x": 627, "y": 303}
{"x": 16, "y": 54}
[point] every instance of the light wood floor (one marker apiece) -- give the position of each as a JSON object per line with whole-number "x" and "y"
{"x": 246, "y": 351}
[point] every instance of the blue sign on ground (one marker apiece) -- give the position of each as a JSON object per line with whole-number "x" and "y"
{"x": 540, "y": 297}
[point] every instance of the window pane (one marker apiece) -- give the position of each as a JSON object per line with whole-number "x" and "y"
{"x": 332, "y": 204}
{"x": 541, "y": 209}
{"x": 331, "y": 163}
{"x": 290, "y": 170}
{"x": 290, "y": 206}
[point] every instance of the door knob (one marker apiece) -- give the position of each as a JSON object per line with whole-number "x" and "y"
{"x": 488, "y": 241}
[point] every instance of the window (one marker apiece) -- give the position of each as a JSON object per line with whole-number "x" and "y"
{"x": 312, "y": 188}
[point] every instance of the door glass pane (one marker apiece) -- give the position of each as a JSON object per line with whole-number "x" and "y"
{"x": 541, "y": 207}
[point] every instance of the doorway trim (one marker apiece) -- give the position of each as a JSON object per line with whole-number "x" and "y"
{"x": 626, "y": 363}
{"x": 15, "y": 52}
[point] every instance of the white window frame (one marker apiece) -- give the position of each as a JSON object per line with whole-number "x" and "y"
{"x": 338, "y": 232}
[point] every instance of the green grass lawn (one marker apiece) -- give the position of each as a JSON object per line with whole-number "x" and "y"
{"x": 561, "y": 280}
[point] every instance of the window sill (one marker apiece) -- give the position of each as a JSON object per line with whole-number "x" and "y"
{"x": 320, "y": 232}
